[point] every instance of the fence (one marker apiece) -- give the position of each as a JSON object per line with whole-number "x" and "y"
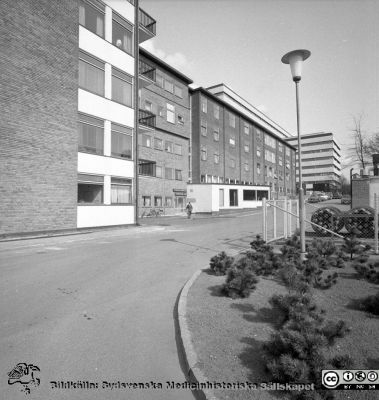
{"x": 280, "y": 218}
{"x": 331, "y": 219}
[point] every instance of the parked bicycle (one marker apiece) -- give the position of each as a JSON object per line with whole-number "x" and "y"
{"x": 153, "y": 212}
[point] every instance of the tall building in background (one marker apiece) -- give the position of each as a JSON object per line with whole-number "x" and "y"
{"x": 69, "y": 113}
{"x": 163, "y": 137}
{"x": 321, "y": 161}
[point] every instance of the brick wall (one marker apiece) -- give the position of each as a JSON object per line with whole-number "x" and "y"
{"x": 38, "y": 102}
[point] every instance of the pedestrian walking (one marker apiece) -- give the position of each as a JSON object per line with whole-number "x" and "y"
{"x": 189, "y": 210}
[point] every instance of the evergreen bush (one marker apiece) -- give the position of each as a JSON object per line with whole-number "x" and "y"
{"x": 220, "y": 263}
{"x": 240, "y": 281}
{"x": 371, "y": 304}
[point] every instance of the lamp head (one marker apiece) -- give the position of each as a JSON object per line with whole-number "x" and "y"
{"x": 295, "y": 59}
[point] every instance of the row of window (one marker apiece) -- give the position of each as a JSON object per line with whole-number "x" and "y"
{"x": 150, "y": 168}
{"x": 232, "y": 141}
{"x": 92, "y": 17}
{"x": 170, "y": 112}
{"x": 159, "y": 144}
{"x": 91, "y": 190}
{"x": 92, "y": 79}
{"x": 169, "y": 85}
{"x": 158, "y": 201}
{"x": 91, "y": 137}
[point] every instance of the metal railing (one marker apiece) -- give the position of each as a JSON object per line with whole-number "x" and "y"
{"x": 146, "y": 70}
{"x": 146, "y": 118}
{"x": 146, "y": 21}
{"x": 327, "y": 220}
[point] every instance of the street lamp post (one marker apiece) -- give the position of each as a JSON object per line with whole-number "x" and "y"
{"x": 295, "y": 59}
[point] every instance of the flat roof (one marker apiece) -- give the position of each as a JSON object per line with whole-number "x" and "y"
{"x": 164, "y": 65}
{"x": 230, "y": 107}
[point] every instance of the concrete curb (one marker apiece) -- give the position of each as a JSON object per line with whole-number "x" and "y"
{"x": 194, "y": 373}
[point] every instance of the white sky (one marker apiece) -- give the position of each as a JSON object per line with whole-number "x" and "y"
{"x": 241, "y": 42}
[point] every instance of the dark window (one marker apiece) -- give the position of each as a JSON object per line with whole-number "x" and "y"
{"x": 122, "y": 141}
{"x": 90, "y": 189}
{"x": 91, "y": 74}
{"x": 91, "y": 16}
{"x": 169, "y": 173}
{"x": 122, "y": 34}
{"x": 91, "y": 135}
{"x": 146, "y": 167}
{"x": 261, "y": 194}
{"x": 249, "y": 195}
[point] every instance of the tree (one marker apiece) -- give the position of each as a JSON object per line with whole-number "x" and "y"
{"x": 372, "y": 145}
{"x": 345, "y": 185}
{"x": 360, "y": 141}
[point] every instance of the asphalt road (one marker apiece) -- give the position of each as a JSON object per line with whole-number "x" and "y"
{"x": 99, "y": 307}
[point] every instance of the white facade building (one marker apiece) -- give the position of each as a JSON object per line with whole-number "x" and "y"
{"x": 321, "y": 161}
{"x": 109, "y": 34}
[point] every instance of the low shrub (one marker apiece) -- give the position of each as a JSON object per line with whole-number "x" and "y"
{"x": 294, "y": 305}
{"x": 342, "y": 362}
{"x": 220, "y": 263}
{"x": 369, "y": 272}
{"x": 333, "y": 330}
{"x": 240, "y": 281}
{"x": 371, "y": 304}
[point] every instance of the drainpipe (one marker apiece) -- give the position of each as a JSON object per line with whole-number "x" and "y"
{"x": 136, "y": 106}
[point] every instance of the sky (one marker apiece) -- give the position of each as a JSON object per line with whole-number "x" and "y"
{"x": 241, "y": 43}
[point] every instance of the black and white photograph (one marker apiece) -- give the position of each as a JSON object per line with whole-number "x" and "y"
{"x": 189, "y": 199}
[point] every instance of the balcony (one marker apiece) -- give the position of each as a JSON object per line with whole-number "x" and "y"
{"x": 146, "y": 74}
{"x": 146, "y": 26}
{"x": 146, "y": 120}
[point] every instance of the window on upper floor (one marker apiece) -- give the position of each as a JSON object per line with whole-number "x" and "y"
{"x": 169, "y": 147}
{"x": 246, "y": 147}
{"x": 159, "y": 80}
{"x": 122, "y": 87}
{"x": 232, "y": 120}
{"x": 204, "y": 104}
{"x": 158, "y": 171}
{"x": 148, "y": 105}
{"x": 170, "y": 113}
{"x": 180, "y": 119}
{"x": 169, "y": 173}
{"x": 203, "y": 153}
{"x": 178, "y": 149}
{"x": 91, "y": 73}
{"x": 121, "y": 141}
{"x": 90, "y": 135}
{"x": 246, "y": 166}
{"x": 232, "y": 163}
{"x": 204, "y": 128}
{"x": 146, "y": 140}
{"x": 216, "y": 134}
{"x": 258, "y": 169}
{"x": 232, "y": 141}
{"x": 158, "y": 144}
{"x": 259, "y": 150}
{"x": 178, "y": 91}
{"x": 122, "y": 34}
{"x": 168, "y": 86}
{"x": 216, "y": 158}
{"x": 246, "y": 129}
{"x": 216, "y": 111}
{"x": 91, "y": 16}
{"x": 146, "y": 167}
{"x": 178, "y": 175}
